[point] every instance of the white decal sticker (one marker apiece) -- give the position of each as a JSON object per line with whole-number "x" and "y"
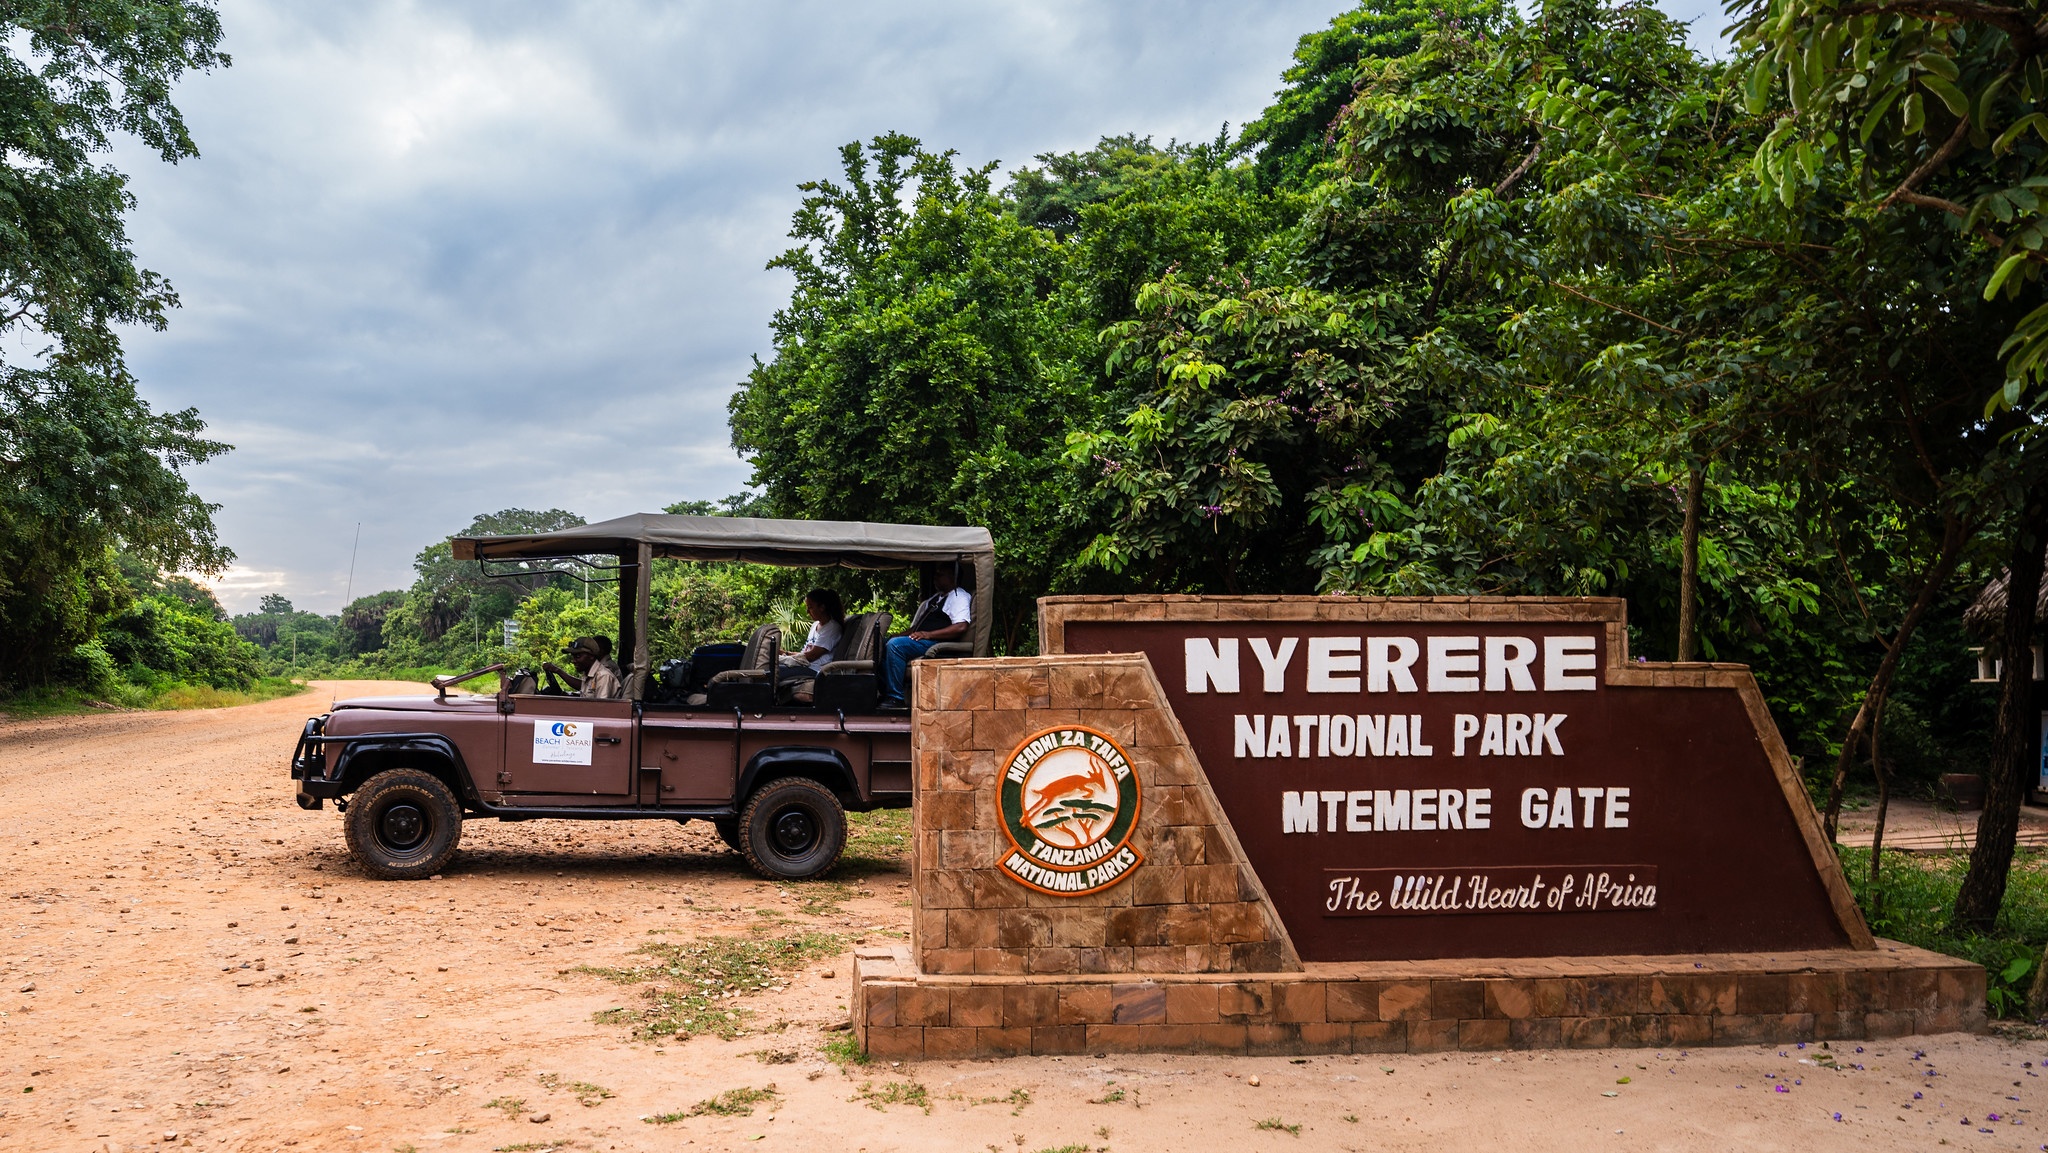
{"x": 562, "y": 742}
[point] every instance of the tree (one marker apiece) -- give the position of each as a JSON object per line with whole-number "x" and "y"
{"x": 86, "y": 466}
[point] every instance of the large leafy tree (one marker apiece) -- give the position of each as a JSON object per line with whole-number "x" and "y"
{"x": 86, "y": 466}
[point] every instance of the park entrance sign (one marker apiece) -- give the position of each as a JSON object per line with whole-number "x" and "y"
{"x": 1501, "y": 784}
{"x": 1330, "y": 824}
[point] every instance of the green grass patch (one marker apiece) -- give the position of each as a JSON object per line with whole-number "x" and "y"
{"x": 1916, "y": 893}
{"x": 894, "y": 1093}
{"x": 1015, "y": 1098}
{"x": 876, "y": 842}
{"x": 66, "y": 700}
{"x": 1279, "y": 1126}
{"x": 844, "y": 1050}
{"x": 731, "y": 1103}
{"x": 512, "y": 1107}
{"x": 695, "y": 988}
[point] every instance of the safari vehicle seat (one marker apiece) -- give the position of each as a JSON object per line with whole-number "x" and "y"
{"x": 751, "y": 687}
{"x": 848, "y": 683}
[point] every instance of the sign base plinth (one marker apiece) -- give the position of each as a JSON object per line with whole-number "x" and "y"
{"x": 902, "y": 1014}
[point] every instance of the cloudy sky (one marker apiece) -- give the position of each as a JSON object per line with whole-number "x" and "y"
{"x": 443, "y": 259}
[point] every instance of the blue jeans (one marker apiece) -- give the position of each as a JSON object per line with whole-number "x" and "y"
{"x": 896, "y": 666}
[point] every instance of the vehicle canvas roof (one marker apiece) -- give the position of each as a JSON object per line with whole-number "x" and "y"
{"x": 753, "y": 540}
{"x": 756, "y": 540}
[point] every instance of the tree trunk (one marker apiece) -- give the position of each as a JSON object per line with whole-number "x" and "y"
{"x": 1884, "y": 801}
{"x": 1689, "y": 567}
{"x": 2015, "y": 740}
{"x": 1953, "y": 537}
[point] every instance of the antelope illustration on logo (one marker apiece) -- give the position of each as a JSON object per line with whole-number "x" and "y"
{"x": 1076, "y": 794}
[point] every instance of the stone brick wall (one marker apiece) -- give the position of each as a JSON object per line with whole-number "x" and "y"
{"x": 1192, "y": 906}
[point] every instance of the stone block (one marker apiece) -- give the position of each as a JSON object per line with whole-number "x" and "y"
{"x": 1242, "y": 921}
{"x": 1588, "y": 1032}
{"x": 1059, "y": 1040}
{"x": 1255, "y": 957}
{"x": 1030, "y": 1006}
{"x": 1490, "y": 1033}
{"x": 944, "y": 889}
{"x": 1002, "y": 1042}
{"x": 1915, "y": 990}
{"x": 948, "y": 961}
{"x": 1214, "y": 884}
{"x": 1536, "y": 1033}
{"x": 1224, "y": 1038}
{"x": 1077, "y": 928}
{"x": 1379, "y": 1037}
{"x": 949, "y": 1044}
{"x": 1453, "y": 1000}
{"x": 1159, "y": 959}
{"x": 972, "y": 929}
{"x": 978, "y": 1006}
{"x": 1300, "y": 1002}
{"x": 948, "y": 809}
{"x": 1686, "y": 1029}
{"x": 1432, "y": 1036}
{"x": 1190, "y": 1004}
{"x": 1023, "y": 929}
{"x": 1023, "y": 689}
{"x": 1891, "y": 1023}
{"x": 1838, "y": 1025}
{"x": 1814, "y": 992}
{"x": 1762, "y": 993}
{"x": 1084, "y": 1005}
{"x": 1052, "y": 960}
{"x": 1352, "y": 1000}
{"x": 896, "y": 1044}
{"x": 1136, "y": 925}
{"x": 1245, "y": 1002}
{"x": 1325, "y": 1037}
{"x": 1158, "y": 884}
{"x": 1143, "y": 1003}
{"x": 1613, "y": 996}
{"x": 923, "y": 1005}
{"x": 878, "y": 1005}
{"x": 1404, "y": 1001}
{"x": 1742, "y": 1029}
{"x": 1115, "y": 1038}
{"x": 967, "y": 849}
{"x": 1272, "y": 1039}
{"x": 994, "y": 962}
{"x": 1510, "y": 999}
{"x": 969, "y": 770}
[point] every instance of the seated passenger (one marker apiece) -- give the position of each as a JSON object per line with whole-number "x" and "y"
{"x": 828, "y": 623}
{"x": 943, "y": 616}
{"x": 595, "y": 678}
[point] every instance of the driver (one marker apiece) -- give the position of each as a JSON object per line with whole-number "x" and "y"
{"x": 595, "y": 677}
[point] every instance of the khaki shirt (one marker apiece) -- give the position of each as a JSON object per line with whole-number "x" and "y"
{"x": 602, "y": 682}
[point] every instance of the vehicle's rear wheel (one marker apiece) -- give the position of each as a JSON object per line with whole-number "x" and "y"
{"x": 403, "y": 825}
{"x": 792, "y": 829}
{"x": 729, "y": 832}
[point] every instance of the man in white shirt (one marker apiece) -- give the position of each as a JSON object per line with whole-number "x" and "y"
{"x": 943, "y": 616}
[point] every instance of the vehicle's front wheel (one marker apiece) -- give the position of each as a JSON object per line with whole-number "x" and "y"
{"x": 403, "y": 825}
{"x": 792, "y": 829}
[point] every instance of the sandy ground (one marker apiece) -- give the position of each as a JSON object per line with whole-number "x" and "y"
{"x": 189, "y": 960}
{"x": 1921, "y": 826}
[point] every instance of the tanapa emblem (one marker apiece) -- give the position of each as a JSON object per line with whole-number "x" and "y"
{"x": 1069, "y": 802}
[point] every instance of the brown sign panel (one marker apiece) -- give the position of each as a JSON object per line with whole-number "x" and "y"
{"x": 1446, "y": 764}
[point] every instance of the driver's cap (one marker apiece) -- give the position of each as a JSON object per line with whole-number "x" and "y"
{"x": 582, "y": 644}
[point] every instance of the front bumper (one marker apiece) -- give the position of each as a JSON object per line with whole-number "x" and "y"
{"x": 309, "y": 765}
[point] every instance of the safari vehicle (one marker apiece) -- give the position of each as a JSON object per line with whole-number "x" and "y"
{"x": 696, "y": 740}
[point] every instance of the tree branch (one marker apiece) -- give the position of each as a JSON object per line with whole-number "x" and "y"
{"x": 1614, "y": 307}
{"x": 1507, "y": 185}
{"x": 1927, "y": 168}
{"x": 2026, "y": 35}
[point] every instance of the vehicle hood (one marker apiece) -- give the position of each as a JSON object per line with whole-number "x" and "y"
{"x": 455, "y": 703}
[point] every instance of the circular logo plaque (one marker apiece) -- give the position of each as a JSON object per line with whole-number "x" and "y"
{"x": 1069, "y": 803}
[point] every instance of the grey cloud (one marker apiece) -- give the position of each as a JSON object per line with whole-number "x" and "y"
{"x": 444, "y": 259}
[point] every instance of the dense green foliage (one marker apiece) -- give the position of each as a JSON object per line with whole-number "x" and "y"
{"x": 87, "y": 469}
{"x": 1912, "y": 900}
{"x": 1481, "y": 303}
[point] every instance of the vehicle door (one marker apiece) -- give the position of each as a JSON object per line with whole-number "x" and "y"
{"x": 568, "y": 751}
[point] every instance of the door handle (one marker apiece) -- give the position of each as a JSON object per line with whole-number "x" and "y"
{"x": 607, "y": 740}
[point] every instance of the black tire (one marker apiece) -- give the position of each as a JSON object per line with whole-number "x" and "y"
{"x": 792, "y": 829}
{"x": 403, "y": 825}
{"x": 729, "y": 831}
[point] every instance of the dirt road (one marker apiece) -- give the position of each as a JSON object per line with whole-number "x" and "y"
{"x": 189, "y": 960}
